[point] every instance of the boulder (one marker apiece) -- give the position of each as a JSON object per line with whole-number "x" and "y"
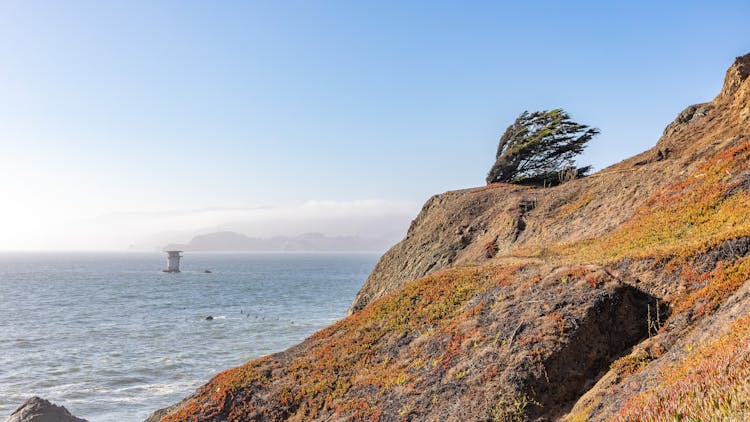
{"x": 37, "y": 409}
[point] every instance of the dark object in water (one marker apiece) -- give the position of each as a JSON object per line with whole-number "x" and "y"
{"x": 39, "y": 409}
{"x": 206, "y": 272}
{"x": 209, "y": 318}
{"x": 173, "y": 261}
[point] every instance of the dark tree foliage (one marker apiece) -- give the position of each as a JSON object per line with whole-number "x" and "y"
{"x": 538, "y": 147}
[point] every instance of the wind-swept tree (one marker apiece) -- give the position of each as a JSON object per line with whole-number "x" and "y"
{"x": 539, "y": 148}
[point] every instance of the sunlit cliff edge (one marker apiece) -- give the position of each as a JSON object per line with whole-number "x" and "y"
{"x": 620, "y": 296}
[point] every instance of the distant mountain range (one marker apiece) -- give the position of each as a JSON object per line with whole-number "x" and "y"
{"x": 309, "y": 242}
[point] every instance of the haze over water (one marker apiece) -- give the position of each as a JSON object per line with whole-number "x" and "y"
{"x": 113, "y": 338}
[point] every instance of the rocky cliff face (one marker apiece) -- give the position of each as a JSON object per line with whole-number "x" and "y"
{"x": 620, "y": 296}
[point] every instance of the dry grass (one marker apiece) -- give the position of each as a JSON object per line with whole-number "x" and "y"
{"x": 711, "y": 384}
{"x": 354, "y": 353}
{"x": 681, "y": 219}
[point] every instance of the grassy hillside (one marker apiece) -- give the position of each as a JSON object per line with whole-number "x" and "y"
{"x": 615, "y": 297}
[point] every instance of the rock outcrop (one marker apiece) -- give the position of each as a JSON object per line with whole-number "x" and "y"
{"x": 37, "y": 409}
{"x": 616, "y": 296}
{"x": 458, "y": 227}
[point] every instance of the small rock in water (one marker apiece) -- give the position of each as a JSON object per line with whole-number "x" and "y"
{"x": 209, "y": 318}
{"x": 37, "y": 409}
{"x": 206, "y": 271}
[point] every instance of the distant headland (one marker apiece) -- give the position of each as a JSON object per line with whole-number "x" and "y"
{"x": 227, "y": 241}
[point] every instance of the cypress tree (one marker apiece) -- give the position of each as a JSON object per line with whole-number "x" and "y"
{"x": 540, "y": 146}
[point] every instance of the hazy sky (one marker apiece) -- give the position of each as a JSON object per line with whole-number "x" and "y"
{"x": 176, "y": 108}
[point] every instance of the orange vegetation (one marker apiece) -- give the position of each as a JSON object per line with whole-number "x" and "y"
{"x": 354, "y": 352}
{"x": 711, "y": 383}
{"x": 682, "y": 219}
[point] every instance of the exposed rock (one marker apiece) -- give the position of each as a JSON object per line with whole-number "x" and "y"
{"x": 37, "y": 409}
{"x": 736, "y": 75}
{"x": 447, "y": 224}
{"x": 690, "y": 114}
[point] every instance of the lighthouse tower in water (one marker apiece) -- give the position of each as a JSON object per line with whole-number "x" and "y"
{"x": 173, "y": 261}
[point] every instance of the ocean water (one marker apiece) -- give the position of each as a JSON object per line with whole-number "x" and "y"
{"x": 112, "y": 338}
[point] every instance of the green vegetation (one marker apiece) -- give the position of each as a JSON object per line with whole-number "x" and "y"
{"x": 513, "y": 408}
{"x": 631, "y": 364}
{"x": 539, "y": 148}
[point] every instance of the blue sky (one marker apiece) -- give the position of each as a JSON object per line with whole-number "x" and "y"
{"x": 138, "y": 107}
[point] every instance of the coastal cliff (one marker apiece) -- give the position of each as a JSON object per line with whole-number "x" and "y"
{"x": 619, "y": 296}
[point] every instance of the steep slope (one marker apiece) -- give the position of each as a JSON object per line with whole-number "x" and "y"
{"x": 702, "y": 375}
{"x": 577, "y": 302}
{"x": 461, "y": 226}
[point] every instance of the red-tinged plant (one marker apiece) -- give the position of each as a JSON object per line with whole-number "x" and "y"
{"x": 711, "y": 383}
